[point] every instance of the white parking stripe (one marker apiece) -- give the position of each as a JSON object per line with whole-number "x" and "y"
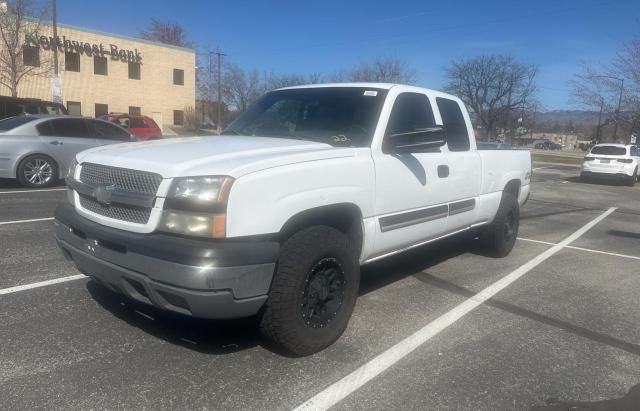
{"x": 590, "y": 250}
{"x": 41, "y": 284}
{"x": 347, "y": 385}
{"x": 33, "y": 191}
{"x": 33, "y": 220}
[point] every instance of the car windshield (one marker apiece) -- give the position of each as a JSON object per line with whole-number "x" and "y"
{"x": 339, "y": 116}
{"x": 609, "y": 150}
{"x": 13, "y": 122}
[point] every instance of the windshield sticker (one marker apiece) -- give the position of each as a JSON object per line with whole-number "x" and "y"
{"x": 372, "y": 93}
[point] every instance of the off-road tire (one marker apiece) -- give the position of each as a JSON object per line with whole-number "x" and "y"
{"x": 282, "y": 320}
{"x": 499, "y": 237}
{"x": 24, "y": 164}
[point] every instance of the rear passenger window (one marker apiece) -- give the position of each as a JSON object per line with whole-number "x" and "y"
{"x": 454, "y": 124}
{"x": 411, "y": 112}
{"x": 73, "y": 127}
{"x": 107, "y": 131}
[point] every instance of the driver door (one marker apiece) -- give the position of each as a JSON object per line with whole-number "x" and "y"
{"x": 412, "y": 190}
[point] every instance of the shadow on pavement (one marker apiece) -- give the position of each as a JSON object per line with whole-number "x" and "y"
{"x": 206, "y": 336}
{"x": 624, "y": 234}
{"x": 630, "y": 402}
{"x": 599, "y": 181}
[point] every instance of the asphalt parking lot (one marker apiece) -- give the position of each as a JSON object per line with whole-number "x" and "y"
{"x": 557, "y": 323}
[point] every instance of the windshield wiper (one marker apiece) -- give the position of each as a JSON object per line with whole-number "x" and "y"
{"x": 229, "y": 132}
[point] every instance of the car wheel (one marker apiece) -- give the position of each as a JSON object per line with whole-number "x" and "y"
{"x": 633, "y": 179}
{"x": 313, "y": 292}
{"x": 499, "y": 237}
{"x": 37, "y": 171}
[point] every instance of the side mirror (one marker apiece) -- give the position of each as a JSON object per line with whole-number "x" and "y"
{"x": 426, "y": 139}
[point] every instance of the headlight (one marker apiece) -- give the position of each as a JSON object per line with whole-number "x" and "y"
{"x": 197, "y": 206}
{"x": 71, "y": 172}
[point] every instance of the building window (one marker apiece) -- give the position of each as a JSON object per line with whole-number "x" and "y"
{"x": 134, "y": 71}
{"x": 74, "y": 108}
{"x": 135, "y": 111}
{"x": 102, "y": 109}
{"x": 100, "y": 65}
{"x": 31, "y": 56}
{"x": 178, "y": 77}
{"x": 71, "y": 61}
{"x": 178, "y": 117}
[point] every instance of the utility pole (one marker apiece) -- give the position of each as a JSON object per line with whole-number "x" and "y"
{"x": 210, "y": 88}
{"x": 55, "y": 37}
{"x": 219, "y": 122}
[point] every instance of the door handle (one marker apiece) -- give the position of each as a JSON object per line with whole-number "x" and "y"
{"x": 56, "y": 143}
{"x": 443, "y": 171}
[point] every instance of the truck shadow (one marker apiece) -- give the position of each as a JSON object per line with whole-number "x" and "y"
{"x": 223, "y": 337}
{"x": 630, "y": 402}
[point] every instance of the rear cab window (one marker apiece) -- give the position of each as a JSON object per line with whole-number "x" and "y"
{"x": 454, "y": 124}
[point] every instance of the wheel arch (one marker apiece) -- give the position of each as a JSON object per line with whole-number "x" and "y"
{"x": 345, "y": 217}
{"x": 513, "y": 187}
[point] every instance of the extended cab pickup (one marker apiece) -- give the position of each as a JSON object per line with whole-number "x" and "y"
{"x": 275, "y": 217}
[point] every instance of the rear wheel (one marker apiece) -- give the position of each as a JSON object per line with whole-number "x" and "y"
{"x": 633, "y": 178}
{"x": 499, "y": 237}
{"x": 37, "y": 171}
{"x": 313, "y": 292}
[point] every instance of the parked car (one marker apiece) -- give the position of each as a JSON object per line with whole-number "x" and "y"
{"x": 276, "y": 217}
{"x": 37, "y": 149}
{"x": 13, "y": 106}
{"x": 612, "y": 160}
{"x": 493, "y": 145}
{"x": 143, "y": 127}
{"x": 547, "y": 145}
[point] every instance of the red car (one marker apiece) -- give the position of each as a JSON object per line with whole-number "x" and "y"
{"x": 143, "y": 127}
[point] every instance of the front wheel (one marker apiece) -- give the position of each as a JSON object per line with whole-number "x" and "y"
{"x": 37, "y": 171}
{"x": 499, "y": 237}
{"x": 313, "y": 292}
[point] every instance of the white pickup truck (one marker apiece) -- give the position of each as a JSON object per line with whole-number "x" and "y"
{"x": 275, "y": 217}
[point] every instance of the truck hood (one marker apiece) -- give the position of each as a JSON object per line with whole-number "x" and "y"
{"x": 234, "y": 156}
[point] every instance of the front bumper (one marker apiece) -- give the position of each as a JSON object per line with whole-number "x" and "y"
{"x": 199, "y": 278}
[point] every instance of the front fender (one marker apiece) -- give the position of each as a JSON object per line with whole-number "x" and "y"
{"x": 262, "y": 202}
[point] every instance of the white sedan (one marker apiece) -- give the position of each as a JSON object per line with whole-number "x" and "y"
{"x": 612, "y": 160}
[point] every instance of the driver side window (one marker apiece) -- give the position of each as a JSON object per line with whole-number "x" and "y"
{"x": 411, "y": 112}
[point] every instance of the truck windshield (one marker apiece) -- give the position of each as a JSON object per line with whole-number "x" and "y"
{"x": 339, "y": 116}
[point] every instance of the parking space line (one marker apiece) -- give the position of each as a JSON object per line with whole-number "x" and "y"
{"x": 356, "y": 379}
{"x": 18, "y": 288}
{"x": 33, "y": 191}
{"x": 590, "y": 250}
{"x": 33, "y": 220}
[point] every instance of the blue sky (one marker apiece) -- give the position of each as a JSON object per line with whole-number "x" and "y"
{"x": 328, "y": 35}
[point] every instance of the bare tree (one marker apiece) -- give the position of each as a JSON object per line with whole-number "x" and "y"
{"x": 493, "y": 87}
{"x": 166, "y": 32}
{"x": 18, "y": 17}
{"x": 274, "y": 81}
{"x": 241, "y": 88}
{"x": 612, "y": 86}
{"x": 384, "y": 70}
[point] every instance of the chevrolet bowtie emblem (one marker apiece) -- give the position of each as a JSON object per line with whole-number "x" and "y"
{"x": 103, "y": 193}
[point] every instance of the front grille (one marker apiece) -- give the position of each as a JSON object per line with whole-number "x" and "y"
{"x": 131, "y": 214}
{"x": 123, "y": 178}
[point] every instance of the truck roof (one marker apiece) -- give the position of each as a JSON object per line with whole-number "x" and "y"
{"x": 383, "y": 86}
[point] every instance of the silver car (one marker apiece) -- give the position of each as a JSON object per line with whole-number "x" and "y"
{"x": 37, "y": 149}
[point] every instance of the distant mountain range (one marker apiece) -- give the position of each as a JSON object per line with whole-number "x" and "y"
{"x": 578, "y": 117}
